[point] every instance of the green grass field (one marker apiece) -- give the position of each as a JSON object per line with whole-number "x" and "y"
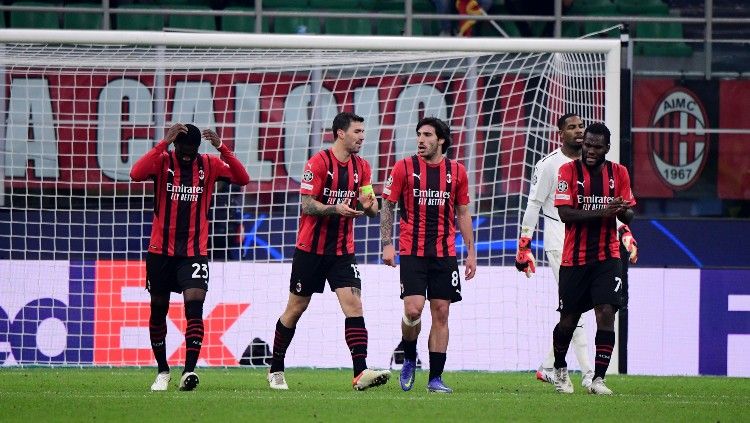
{"x": 225, "y": 395}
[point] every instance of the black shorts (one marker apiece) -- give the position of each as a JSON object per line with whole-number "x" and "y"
{"x": 583, "y": 287}
{"x": 310, "y": 272}
{"x": 432, "y": 277}
{"x": 166, "y": 274}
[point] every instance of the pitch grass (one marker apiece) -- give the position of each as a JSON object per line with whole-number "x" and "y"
{"x": 241, "y": 394}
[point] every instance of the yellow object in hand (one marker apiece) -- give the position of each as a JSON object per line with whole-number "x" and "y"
{"x": 366, "y": 190}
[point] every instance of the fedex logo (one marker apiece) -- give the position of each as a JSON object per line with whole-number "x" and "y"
{"x": 122, "y": 314}
{"x": 724, "y": 322}
{"x": 46, "y": 313}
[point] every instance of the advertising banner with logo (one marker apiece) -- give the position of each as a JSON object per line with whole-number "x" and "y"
{"x": 734, "y": 149}
{"x": 681, "y": 321}
{"x": 681, "y": 158}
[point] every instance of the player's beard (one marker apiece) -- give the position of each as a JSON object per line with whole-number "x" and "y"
{"x": 596, "y": 164}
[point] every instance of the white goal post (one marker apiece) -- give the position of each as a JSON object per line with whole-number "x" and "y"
{"x": 78, "y": 108}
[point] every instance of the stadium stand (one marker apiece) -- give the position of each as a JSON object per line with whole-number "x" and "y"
{"x": 82, "y": 20}
{"x": 34, "y": 19}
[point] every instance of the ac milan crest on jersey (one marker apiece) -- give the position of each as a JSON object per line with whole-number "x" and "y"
{"x": 679, "y": 156}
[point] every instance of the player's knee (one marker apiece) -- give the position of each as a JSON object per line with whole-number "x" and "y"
{"x": 412, "y": 319}
{"x": 412, "y": 312}
{"x": 159, "y": 310}
{"x": 440, "y": 314}
{"x": 194, "y": 309}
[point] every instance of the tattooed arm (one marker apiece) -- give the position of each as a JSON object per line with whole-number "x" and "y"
{"x": 314, "y": 207}
{"x": 386, "y": 233}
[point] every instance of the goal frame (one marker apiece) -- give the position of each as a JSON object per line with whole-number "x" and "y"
{"x": 611, "y": 49}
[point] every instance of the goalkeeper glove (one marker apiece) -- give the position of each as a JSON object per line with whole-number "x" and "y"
{"x": 629, "y": 242}
{"x": 524, "y": 258}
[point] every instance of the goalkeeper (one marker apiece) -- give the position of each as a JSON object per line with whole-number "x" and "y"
{"x": 541, "y": 197}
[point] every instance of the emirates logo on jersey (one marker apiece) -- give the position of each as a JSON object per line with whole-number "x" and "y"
{"x": 179, "y": 192}
{"x": 338, "y": 196}
{"x": 679, "y": 156}
{"x": 593, "y": 202}
{"x": 431, "y": 197}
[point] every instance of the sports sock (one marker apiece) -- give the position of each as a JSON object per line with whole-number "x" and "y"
{"x": 157, "y": 331}
{"x": 605, "y": 343}
{"x": 580, "y": 347}
{"x": 410, "y": 349}
{"x": 437, "y": 364}
{"x": 560, "y": 342}
{"x": 281, "y": 341}
{"x": 355, "y": 334}
{"x": 193, "y": 334}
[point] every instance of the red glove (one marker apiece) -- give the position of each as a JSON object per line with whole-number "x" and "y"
{"x": 524, "y": 258}
{"x": 627, "y": 239}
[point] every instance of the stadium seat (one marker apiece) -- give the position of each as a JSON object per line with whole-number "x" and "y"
{"x": 664, "y": 30}
{"x": 390, "y": 6}
{"x": 590, "y": 8}
{"x": 641, "y": 7}
{"x": 335, "y": 5}
{"x": 35, "y": 19}
{"x": 368, "y": 5}
{"x": 302, "y": 5}
{"x": 191, "y": 22}
{"x": 139, "y": 22}
{"x": 357, "y": 26}
{"x": 240, "y": 23}
{"x": 396, "y": 27}
{"x": 83, "y": 20}
{"x": 195, "y": 3}
{"x": 296, "y": 25}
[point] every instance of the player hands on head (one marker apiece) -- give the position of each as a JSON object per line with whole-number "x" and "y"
{"x": 177, "y": 259}
{"x": 591, "y": 194}
{"x": 434, "y": 195}
{"x": 329, "y": 189}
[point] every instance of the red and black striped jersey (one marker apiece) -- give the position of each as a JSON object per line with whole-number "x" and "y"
{"x": 427, "y": 195}
{"x": 182, "y": 196}
{"x": 331, "y": 182}
{"x": 593, "y": 240}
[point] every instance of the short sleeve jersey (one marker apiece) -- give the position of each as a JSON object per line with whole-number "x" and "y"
{"x": 593, "y": 240}
{"x": 331, "y": 182}
{"x": 427, "y": 195}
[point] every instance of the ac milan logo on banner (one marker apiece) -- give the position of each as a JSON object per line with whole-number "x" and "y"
{"x": 679, "y": 156}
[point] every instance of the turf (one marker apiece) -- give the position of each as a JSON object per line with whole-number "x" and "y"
{"x": 234, "y": 394}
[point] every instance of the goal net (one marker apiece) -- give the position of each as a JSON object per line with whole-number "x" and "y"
{"x": 78, "y": 108}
